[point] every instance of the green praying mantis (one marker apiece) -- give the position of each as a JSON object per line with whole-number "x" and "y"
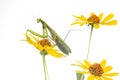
{"x": 54, "y": 36}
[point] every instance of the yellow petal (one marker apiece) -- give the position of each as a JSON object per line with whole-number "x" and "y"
{"x": 107, "y": 69}
{"x": 33, "y": 41}
{"x": 113, "y": 22}
{"x": 34, "y": 38}
{"x": 98, "y": 78}
{"x": 105, "y": 78}
{"x": 83, "y": 18}
{"x": 80, "y": 23}
{"x": 111, "y": 74}
{"x": 100, "y": 16}
{"x": 96, "y": 26}
{"x": 54, "y": 52}
{"x": 110, "y": 16}
{"x": 78, "y": 17}
{"x": 28, "y": 39}
{"x": 83, "y": 72}
{"x": 91, "y": 14}
{"x": 103, "y": 63}
{"x": 38, "y": 46}
{"x": 79, "y": 62}
{"x": 91, "y": 77}
{"x": 87, "y": 63}
{"x": 82, "y": 65}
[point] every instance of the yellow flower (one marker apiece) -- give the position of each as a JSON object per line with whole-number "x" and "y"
{"x": 43, "y": 45}
{"x": 94, "y": 20}
{"x": 97, "y": 71}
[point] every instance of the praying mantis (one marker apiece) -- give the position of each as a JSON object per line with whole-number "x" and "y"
{"x": 54, "y": 36}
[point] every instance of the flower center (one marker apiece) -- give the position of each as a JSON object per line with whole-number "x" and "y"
{"x": 96, "y": 69}
{"x": 45, "y": 42}
{"x": 94, "y": 19}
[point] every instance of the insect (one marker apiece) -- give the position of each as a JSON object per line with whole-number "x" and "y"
{"x": 54, "y": 36}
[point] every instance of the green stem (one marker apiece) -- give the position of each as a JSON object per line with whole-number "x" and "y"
{"x": 89, "y": 42}
{"x": 47, "y": 71}
{"x": 82, "y": 76}
{"x": 44, "y": 65}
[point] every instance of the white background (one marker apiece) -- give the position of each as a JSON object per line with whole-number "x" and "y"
{"x": 21, "y": 61}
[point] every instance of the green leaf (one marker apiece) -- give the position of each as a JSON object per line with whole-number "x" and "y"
{"x": 80, "y": 76}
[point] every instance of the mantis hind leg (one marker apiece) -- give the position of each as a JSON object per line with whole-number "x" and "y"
{"x": 69, "y": 33}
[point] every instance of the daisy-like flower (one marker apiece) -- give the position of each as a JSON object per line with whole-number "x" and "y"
{"x": 97, "y": 71}
{"x": 94, "y": 20}
{"x": 43, "y": 45}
